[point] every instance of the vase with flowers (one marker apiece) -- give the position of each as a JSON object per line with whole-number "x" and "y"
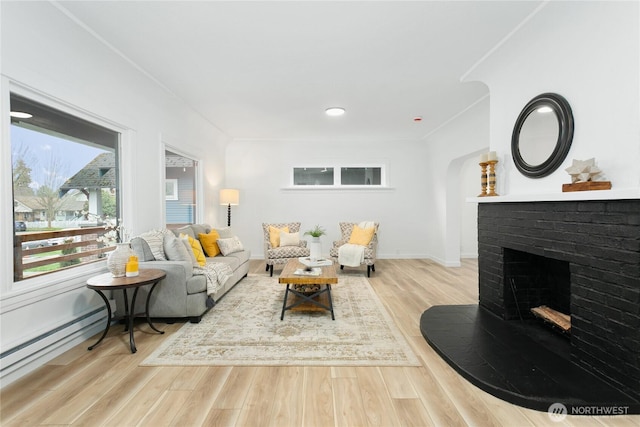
{"x": 315, "y": 247}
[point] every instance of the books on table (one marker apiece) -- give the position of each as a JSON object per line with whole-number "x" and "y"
{"x": 319, "y": 262}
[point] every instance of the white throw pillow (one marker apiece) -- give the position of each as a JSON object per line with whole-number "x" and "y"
{"x": 289, "y": 239}
{"x": 155, "y": 240}
{"x": 229, "y": 246}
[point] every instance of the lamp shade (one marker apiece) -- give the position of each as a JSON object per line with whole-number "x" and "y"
{"x": 229, "y": 196}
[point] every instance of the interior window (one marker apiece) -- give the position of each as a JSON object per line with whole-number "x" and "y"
{"x": 180, "y": 189}
{"x": 65, "y": 188}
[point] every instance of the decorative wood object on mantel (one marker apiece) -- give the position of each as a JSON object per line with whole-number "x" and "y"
{"x": 587, "y": 186}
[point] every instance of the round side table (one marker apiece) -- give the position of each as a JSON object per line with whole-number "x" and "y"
{"x": 106, "y": 282}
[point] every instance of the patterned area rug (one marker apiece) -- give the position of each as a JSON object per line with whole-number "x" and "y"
{"x": 244, "y": 328}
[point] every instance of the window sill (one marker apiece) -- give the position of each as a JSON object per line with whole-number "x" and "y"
{"x": 367, "y": 188}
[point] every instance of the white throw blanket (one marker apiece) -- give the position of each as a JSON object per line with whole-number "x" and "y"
{"x": 216, "y": 274}
{"x": 353, "y": 255}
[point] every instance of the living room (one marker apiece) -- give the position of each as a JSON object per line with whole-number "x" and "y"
{"x": 586, "y": 51}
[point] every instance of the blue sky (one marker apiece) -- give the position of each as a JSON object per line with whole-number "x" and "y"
{"x": 38, "y": 149}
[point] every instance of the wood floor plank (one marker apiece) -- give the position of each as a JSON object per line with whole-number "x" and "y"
{"x": 260, "y": 400}
{"x": 317, "y": 399}
{"x": 411, "y": 412}
{"x": 347, "y": 402}
{"x": 196, "y": 409}
{"x": 165, "y": 408}
{"x": 289, "y": 389}
{"x": 376, "y": 401}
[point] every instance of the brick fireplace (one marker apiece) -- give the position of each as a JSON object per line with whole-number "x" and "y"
{"x": 581, "y": 258}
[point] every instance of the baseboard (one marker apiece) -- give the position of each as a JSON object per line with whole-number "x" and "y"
{"x": 27, "y": 357}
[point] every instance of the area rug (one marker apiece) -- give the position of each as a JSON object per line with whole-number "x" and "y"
{"x": 244, "y": 328}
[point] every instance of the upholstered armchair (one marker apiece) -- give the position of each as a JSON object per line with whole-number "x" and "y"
{"x": 370, "y": 249}
{"x": 282, "y": 242}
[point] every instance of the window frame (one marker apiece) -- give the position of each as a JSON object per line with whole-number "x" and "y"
{"x": 60, "y": 281}
{"x": 337, "y": 176}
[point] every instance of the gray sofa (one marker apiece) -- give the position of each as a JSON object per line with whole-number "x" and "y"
{"x": 182, "y": 294}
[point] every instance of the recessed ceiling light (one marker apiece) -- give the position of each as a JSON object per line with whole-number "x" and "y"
{"x": 20, "y": 115}
{"x": 334, "y": 111}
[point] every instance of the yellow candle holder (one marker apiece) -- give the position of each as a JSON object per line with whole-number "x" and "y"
{"x": 492, "y": 178}
{"x": 483, "y": 178}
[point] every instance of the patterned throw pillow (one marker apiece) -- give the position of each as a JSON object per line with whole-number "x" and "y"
{"x": 229, "y": 246}
{"x": 289, "y": 239}
{"x": 361, "y": 236}
{"x": 155, "y": 240}
{"x": 196, "y": 248}
{"x": 274, "y": 235}
{"x": 208, "y": 242}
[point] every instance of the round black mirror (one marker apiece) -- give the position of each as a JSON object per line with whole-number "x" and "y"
{"x": 542, "y": 135}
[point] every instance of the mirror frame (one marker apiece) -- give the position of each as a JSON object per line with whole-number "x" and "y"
{"x": 562, "y": 110}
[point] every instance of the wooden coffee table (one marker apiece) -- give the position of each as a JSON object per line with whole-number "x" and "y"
{"x": 307, "y": 301}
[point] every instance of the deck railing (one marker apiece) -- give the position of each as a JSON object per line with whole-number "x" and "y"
{"x": 68, "y": 248}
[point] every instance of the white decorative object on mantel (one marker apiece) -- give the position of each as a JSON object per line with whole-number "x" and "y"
{"x": 583, "y": 170}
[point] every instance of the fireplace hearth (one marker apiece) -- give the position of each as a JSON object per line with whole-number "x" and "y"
{"x": 581, "y": 259}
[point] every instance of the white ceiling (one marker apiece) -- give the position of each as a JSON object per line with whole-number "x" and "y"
{"x": 267, "y": 70}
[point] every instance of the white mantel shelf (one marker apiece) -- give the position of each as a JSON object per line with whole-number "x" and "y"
{"x": 633, "y": 193}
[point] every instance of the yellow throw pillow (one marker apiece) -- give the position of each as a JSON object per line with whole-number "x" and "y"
{"x": 208, "y": 242}
{"x": 361, "y": 236}
{"x": 197, "y": 249}
{"x": 274, "y": 235}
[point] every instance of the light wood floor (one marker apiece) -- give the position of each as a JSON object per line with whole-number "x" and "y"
{"x": 107, "y": 387}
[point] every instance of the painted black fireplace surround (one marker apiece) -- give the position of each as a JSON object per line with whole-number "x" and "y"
{"x": 581, "y": 258}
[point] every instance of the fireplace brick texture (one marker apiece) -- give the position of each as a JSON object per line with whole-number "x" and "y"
{"x": 601, "y": 242}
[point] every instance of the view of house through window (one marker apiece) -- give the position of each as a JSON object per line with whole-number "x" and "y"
{"x": 65, "y": 189}
{"x": 180, "y": 189}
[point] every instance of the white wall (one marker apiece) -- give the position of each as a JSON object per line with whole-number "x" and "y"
{"x": 261, "y": 171}
{"x": 589, "y": 53}
{"x": 452, "y": 152}
{"x": 48, "y": 56}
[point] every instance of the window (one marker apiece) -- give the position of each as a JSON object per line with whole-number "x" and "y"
{"x": 171, "y": 189}
{"x": 312, "y": 176}
{"x": 351, "y": 176}
{"x": 180, "y": 175}
{"x": 65, "y": 188}
{"x": 361, "y": 176}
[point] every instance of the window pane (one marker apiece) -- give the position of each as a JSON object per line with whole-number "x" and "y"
{"x": 65, "y": 188}
{"x": 361, "y": 176}
{"x": 312, "y": 176}
{"x": 180, "y": 195}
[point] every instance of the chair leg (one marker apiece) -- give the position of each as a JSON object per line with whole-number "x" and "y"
{"x": 271, "y": 269}
{"x": 342, "y": 267}
{"x": 368, "y": 271}
{"x": 267, "y": 269}
{"x": 373, "y": 267}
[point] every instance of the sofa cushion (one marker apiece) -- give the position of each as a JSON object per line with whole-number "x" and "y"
{"x": 142, "y": 249}
{"x": 225, "y": 232}
{"x": 229, "y": 246}
{"x": 200, "y": 229}
{"x": 287, "y": 252}
{"x": 196, "y": 284}
{"x": 209, "y": 243}
{"x": 233, "y": 260}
